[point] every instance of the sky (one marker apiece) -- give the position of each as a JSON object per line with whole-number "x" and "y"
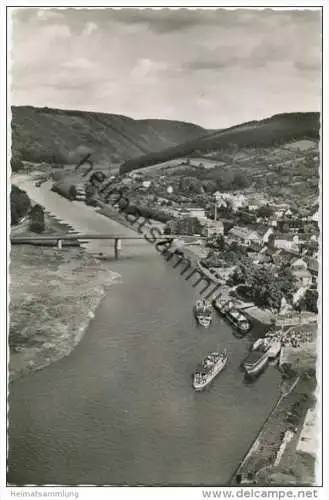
{"x": 215, "y": 68}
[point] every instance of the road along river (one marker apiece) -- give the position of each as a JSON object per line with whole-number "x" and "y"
{"x": 121, "y": 409}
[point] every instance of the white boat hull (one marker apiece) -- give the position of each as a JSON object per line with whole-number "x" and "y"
{"x": 204, "y": 321}
{"x": 274, "y": 350}
{"x": 257, "y": 344}
{"x": 219, "y": 368}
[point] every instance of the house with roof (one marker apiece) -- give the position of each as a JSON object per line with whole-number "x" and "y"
{"x": 285, "y": 241}
{"x": 262, "y": 258}
{"x": 244, "y": 235}
{"x": 298, "y": 264}
{"x": 214, "y": 227}
{"x": 193, "y": 212}
{"x": 280, "y": 257}
{"x": 315, "y": 217}
{"x": 303, "y": 277}
{"x": 299, "y": 269}
{"x": 313, "y": 268}
{"x": 312, "y": 265}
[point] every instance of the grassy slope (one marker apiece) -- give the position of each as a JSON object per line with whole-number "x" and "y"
{"x": 109, "y": 136}
{"x": 275, "y": 130}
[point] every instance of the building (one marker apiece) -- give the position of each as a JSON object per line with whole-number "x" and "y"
{"x": 315, "y": 217}
{"x": 303, "y": 277}
{"x": 313, "y": 266}
{"x": 286, "y": 241}
{"x": 244, "y": 235}
{"x": 301, "y": 274}
{"x": 193, "y": 212}
{"x": 266, "y": 234}
{"x": 222, "y": 273}
{"x": 298, "y": 264}
{"x": 279, "y": 257}
{"x": 236, "y": 201}
{"x": 187, "y": 226}
{"x": 212, "y": 227}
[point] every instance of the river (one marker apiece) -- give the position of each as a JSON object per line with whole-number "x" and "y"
{"x": 121, "y": 410}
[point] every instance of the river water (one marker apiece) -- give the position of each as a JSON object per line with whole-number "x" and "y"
{"x": 121, "y": 410}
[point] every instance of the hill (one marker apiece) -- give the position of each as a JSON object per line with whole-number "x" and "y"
{"x": 55, "y": 135}
{"x": 274, "y": 131}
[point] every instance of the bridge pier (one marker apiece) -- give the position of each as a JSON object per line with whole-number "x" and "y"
{"x": 117, "y": 247}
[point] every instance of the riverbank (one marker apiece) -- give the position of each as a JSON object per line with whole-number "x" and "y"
{"x": 53, "y": 295}
{"x": 271, "y": 460}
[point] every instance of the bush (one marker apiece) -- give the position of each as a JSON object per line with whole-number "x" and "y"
{"x": 265, "y": 211}
{"x": 16, "y": 163}
{"x": 64, "y": 189}
{"x": 20, "y": 204}
{"x": 37, "y": 227}
{"x": 37, "y": 224}
{"x": 240, "y": 181}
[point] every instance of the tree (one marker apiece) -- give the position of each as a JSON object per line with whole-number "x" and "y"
{"x": 224, "y": 179}
{"x": 190, "y": 185}
{"x": 265, "y": 211}
{"x": 310, "y": 301}
{"x": 216, "y": 241}
{"x": 240, "y": 181}
{"x": 201, "y": 200}
{"x": 209, "y": 186}
{"x": 20, "y": 204}
{"x": 37, "y": 224}
{"x": 16, "y": 162}
{"x": 267, "y": 288}
{"x": 261, "y": 182}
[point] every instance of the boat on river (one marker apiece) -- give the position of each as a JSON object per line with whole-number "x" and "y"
{"x": 255, "y": 362}
{"x": 203, "y": 312}
{"x": 233, "y": 315}
{"x": 210, "y": 367}
{"x": 273, "y": 349}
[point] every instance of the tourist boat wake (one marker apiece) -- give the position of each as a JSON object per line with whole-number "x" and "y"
{"x": 211, "y": 366}
{"x": 203, "y": 312}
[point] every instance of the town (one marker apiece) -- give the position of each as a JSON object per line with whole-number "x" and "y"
{"x": 261, "y": 249}
{"x": 165, "y": 272}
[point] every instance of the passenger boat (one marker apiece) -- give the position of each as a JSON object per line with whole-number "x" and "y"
{"x": 221, "y": 306}
{"x": 258, "y": 344}
{"x": 233, "y": 315}
{"x": 262, "y": 344}
{"x": 255, "y": 362}
{"x": 203, "y": 312}
{"x": 274, "y": 350}
{"x": 241, "y": 323}
{"x": 211, "y": 366}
